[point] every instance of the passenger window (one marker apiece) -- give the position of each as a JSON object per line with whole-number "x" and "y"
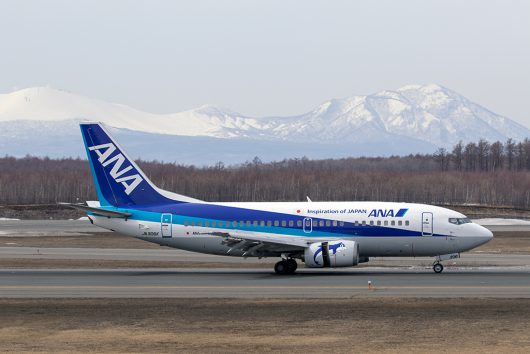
{"x": 400, "y": 223}
{"x": 248, "y": 223}
{"x": 214, "y": 223}
{"x": 185, "y": 222}
{"x": 262, "y": 223}
{"x": 334, "y": 222}
{"x": 234, "y": 223}
{"x": 364, "y": 222}
{"x": 393, "y": 222}
{"x": 321, "y": 223}
{"x": 269, "y": 223}
{"x": 284, "y": 223}
{"x": 255, "y": 223}
{"x": 315, "y": 223}
{"x": 371, "y": 222}
{"x": 193, "y": 223}
{"x": 291, "y": 223}
{"x": 341, "y": 223}
{"x": 407, "y": 223}
{"x": 386, "y": 222}
{"x": 299, "y": 223}
{"x": 378, "y": 222}
{"x": 207, "y": 223}
{"x": 276, "y": 223}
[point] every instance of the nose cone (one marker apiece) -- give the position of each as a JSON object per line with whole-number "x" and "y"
{"x": 475, "y": 236}
{"x": 481, "y": 235}
{"x": 485, "y": 234}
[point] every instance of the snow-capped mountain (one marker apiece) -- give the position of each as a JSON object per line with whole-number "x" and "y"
{"x": 414, "y": 118}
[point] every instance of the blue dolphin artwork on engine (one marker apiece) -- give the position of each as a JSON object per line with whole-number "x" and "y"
{"x": 332, "y": 249}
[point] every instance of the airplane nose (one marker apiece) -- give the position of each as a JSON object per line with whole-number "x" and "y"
{"x": 475, "y": 236}
{"x": 485, "y": 235}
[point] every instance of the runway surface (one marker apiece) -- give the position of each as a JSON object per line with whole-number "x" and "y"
{"x": 170, "y": 254}
{"x": 245, "y": 283}
{"x": 47, "y": 227}
{"x": 473, "y": 275}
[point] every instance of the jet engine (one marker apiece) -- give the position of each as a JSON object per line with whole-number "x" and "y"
{"x": 331, "y": 254}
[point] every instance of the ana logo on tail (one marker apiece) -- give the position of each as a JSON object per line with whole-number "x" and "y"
{"x": 104, "y": 151}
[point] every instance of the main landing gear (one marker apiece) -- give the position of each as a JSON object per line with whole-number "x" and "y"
{"x": 438, "y": 267}
{"x": 286, "y": 266}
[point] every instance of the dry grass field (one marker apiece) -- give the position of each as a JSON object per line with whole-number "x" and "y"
{"x": 251, "y": 326}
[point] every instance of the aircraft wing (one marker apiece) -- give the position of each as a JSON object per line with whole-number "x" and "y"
{"x": 250, "y": 242}
{"x": 98, "y": 211}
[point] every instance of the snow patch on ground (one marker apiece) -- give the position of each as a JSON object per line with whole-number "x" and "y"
{"x": 501, "y": 222}
{"x": 83, "y": 218}
{"x": 9, "y": 219}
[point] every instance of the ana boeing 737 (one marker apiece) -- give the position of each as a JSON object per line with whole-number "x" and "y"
{"x": 319, "y": 234}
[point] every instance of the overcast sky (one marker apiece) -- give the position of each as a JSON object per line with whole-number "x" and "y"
{"x": 268, "y": 57}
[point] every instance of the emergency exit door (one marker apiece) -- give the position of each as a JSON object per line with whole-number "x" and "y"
{"x": 426, "y": 224}
{"x": 308, "y": 225}
{"x": 166, "y": 225}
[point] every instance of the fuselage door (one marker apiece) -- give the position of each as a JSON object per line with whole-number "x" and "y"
{"x": 308, "y": 225}
{"x": 165, "y": 222}
{"x": 426, "y": 224}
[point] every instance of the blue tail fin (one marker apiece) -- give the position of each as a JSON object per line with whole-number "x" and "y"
{"x": 119, "y": 181}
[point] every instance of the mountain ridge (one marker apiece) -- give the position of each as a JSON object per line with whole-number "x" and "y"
{"x": 422, "y": 117}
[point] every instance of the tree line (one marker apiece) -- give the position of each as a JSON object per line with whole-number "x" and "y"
{"x": 485, "y": 156}
{"x": 475, "y": 173}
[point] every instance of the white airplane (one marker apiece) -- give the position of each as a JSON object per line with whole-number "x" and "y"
{"x": 320, "y": 234}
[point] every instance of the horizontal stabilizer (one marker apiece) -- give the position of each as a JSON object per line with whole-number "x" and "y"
{"x": 98, "y": 211}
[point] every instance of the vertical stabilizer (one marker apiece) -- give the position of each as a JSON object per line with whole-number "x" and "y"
{"x": 119, "y": 181}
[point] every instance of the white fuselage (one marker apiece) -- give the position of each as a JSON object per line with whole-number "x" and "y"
{"x": 379, "y": 228}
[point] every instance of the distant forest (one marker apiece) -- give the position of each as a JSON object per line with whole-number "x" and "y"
{"x": 476, "y": 173}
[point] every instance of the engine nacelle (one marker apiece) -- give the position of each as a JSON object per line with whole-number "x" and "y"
{"x": 328, "y": 254}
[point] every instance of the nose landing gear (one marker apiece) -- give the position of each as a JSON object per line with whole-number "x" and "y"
{"x": 437, "y": 267}
{"x": 286, "y": 266}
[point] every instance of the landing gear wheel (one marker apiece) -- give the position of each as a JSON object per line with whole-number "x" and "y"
{"x": 291, "y": 266}
{"x": 281, "y": 267}
{"x": 438, "y": 268}
{"x": 285, "y": 266}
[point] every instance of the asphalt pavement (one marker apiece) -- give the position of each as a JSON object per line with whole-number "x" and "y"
{"x": 252, "y": 283}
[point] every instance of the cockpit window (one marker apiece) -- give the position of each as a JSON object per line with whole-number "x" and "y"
{"x": 459, "y": 221}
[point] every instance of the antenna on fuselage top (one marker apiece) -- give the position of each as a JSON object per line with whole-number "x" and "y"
{"x": 308, "y": 199}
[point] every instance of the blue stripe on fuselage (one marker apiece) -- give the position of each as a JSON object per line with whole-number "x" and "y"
{"x": 192, "y": 212}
